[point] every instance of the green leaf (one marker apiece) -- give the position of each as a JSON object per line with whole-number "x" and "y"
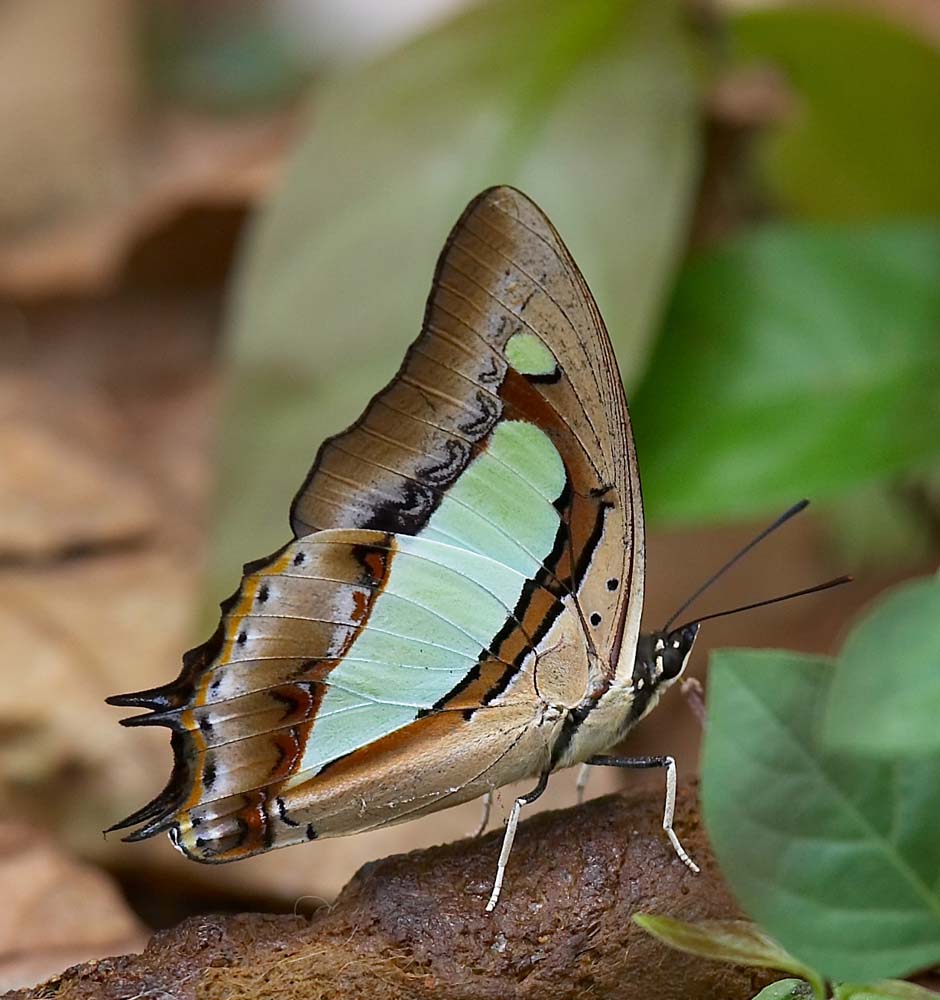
{"x": 838, "y": 858}
{"x": 590, "y": 106}
{"x": 735, "y": 941}
{"x": 885, "y": 695}
{"x": 799, "y": 360}
{"x": 787, "y": 989}
{"x": 887, "y": 989}
{"x": 896, "y": 989}
{"x": 862, "y": 140}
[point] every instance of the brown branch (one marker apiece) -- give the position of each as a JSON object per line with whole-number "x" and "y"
{"x": 414, "y": 925}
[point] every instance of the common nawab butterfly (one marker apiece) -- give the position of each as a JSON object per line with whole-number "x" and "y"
{"x": 459, "y": 607}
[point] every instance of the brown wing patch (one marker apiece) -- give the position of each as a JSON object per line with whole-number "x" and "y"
{"x": 242, "y": 707}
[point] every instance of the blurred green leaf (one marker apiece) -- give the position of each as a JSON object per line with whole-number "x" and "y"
{"x": 736, "y": 941}
{"x": 885, "y": 694}
{"x": 863, "y": 140}
{"x": 787, "y": 989}
{"x": 889, "y": 523}
{"x": 798, "y": 360}
{"x": 590, "y": 106}
{"x": 887, "y": 989}
{"x": 838, "y": 858}
{"x": 857, "y": 993}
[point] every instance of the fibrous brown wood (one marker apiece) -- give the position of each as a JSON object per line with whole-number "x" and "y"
{"x": 414, "y": 925}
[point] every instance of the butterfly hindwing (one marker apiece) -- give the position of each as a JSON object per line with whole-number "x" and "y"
{"x": 466, "y": 555}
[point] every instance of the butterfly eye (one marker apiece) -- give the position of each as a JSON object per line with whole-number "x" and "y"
{"x": 673, "y": 661}
{"x": 689, "y": 633}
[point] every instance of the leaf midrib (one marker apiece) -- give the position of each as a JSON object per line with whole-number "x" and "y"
{"x": 886, "y": 847}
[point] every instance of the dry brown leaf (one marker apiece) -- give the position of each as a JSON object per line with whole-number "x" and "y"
{"x": 56, "y": 912}
{"x": 63, "y": 488}
{"x": 182, "y": 164}
{"x": 68, "y": 109}
{"x": 71, "y": 635}
{"x": 89, "y": 166}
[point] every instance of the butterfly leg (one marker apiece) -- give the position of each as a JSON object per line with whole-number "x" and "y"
{"x": 510, "y": 835}
{"x": 583, "y": 776}
{"x": 485, "y": 818}
{"x": 669, "y": 764}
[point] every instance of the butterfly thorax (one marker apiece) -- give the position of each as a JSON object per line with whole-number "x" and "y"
{"x": 601, "y": 722}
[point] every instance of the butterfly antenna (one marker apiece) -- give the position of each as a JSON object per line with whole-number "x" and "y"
{"x": 837, "y": 582}
{"x": 784, "y": 517}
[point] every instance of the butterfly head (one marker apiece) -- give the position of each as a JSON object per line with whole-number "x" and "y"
{"x": 662, "y": 656}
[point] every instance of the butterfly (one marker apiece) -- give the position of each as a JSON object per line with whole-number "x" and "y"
{"x": 459, "y": 606}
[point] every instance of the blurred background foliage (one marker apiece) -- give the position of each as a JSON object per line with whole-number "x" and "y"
{"x": 796, "y": 352}
{"x": 334, "y": 280}
{"x": 218, "y": 224}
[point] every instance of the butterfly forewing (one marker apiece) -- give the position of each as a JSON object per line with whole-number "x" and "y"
{"x": 505, "y": 289}
{"x": 468, "y": 557}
